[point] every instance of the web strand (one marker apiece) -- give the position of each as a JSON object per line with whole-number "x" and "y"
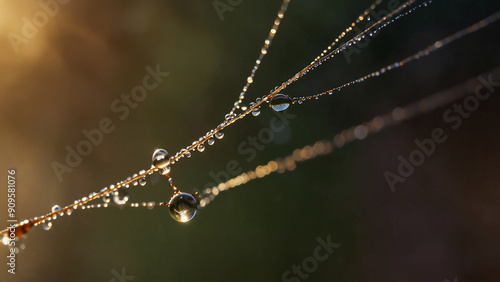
{"x": 263, "y": 52}
{"x": 25, "y": 225}
{"x": 349, "y": 135}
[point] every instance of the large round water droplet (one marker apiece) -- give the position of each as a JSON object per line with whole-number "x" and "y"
{"x": 120, "y": 197}
{"x": 56, "y": 208}
{"x": 201, "y": 148}
{"x": 183, "y": 207}
{"x": 219, "y": 135}
{"x": 142, "y": 181}
{"x": 210, "y": 141}
{"x": 280, "y": 102}
{"x": 160, "y": 158}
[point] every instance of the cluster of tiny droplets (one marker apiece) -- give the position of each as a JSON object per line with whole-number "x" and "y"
{"x": 346, "y": 136}
{"x": 263, "y": 52}
{"x": 418, "y": 55}
{"x": 254, "y": 107}
{"x": 360, "y": 19}
{"x": 120, "y": 197}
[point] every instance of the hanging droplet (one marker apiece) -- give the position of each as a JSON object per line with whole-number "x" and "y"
{"x": 256, "y": 111}
{"x": 69, "y": 211}
{"x": 47, "y": 226}
{"x": 142, "y": 181}
{"x": 160, "y": 158}
{"x": 219, "y": 135}
{"x": 210, "y": 141}
{"x": 183, "y": 207}
{"x": 200, "y": 148}
{"x": 280, "y": 102}
{"x": 106, "y": 199}
{"x": 56, "y": 208}
{"x": 120, "y": 197}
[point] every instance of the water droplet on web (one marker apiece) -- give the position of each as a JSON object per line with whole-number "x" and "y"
{"x": 183, "y": 207}
{"x": 160, "y": 158}
{"x": 210, "y": 141}
{"x": 151, "y": 205}
{"x": 219, "y": 135}
{"x": 165, "y": 170}
{"x": 5, "y": 240}
{"x": 142, "y": 181}
{"x": 256, "y": 112}
{"x": 106, "y": 198}
{"x": 200, "y": 148}
{"x": 280, "y": 102}
{"x": 69, "y": 211}
{"x": 120, "y": 197}
{"x": 47, "y": 226}
{"x": 56, "y": 208}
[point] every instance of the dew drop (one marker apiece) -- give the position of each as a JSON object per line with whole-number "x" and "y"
{"x": 165, "y": 170}
{"x": 56, "y": 208}
{"x": 210, "y": 141}
{"x": 200, "y": 148}
{"x": 47, "y": 226}
{"x": 219, "y": 135}
{"x": 256, "y": 111}
{"x": 280, "y": 102}
{"x": 69, "y": 211}
{"x": 183, "y": 207}
{"x": 160, "y": 158}
{"x": 106, "y": 199}
{"x": 120, "y": 197}
{"x": 142, "y": 181}
{"x": 5, "y": 240}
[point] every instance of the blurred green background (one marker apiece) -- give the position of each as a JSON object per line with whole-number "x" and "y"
{"x": 441, "y": 223}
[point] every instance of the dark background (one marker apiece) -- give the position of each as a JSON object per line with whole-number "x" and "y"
{"x": 441, "y": 223}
